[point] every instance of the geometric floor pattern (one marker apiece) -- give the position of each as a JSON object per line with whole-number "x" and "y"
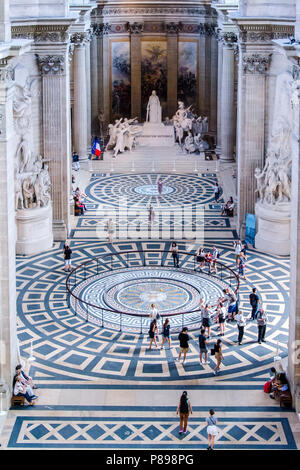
{"x": 121, "y": 432}
{"x": 68, "y": 347}
{"x": 73, "y": 354}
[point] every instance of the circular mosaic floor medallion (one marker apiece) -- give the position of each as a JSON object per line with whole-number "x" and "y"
{"x": 132, "y": 291}
{"x": 151, "y": 190}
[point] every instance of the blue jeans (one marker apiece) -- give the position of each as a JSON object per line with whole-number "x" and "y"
{"x": 254, "y": 311}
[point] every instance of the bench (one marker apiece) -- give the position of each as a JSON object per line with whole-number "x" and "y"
{"x": 17, "y": 400}
{"x": 284, "y": 398}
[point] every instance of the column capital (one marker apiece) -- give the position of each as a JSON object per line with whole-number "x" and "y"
{"x": 205, "y": 29}
{"x": 229, "y": 39}
{"x": 78, "y": 39}
{"x": 256, "y": 63}
{"x": 51, "y": 64}
{"x": 135, "y": 28}
{"x": 104, "y": 29}
{"x": 7, "y": 72}
{"x": 172, "y": 28}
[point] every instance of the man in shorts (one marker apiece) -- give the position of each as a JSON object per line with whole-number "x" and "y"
{"x": 183, "y": 343}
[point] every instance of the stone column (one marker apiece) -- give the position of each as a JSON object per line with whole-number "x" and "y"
{"x": 79, "y": 117}
{"x": 213, "y": 83}
{"x": 219, "y": 98}
{"x": 5, "y": 30}
{"x": 202, "y": 72}
{"x": 250, "y": 127}
{"x": 8, "y": 321}
{"x": 94, "y": 84}
{"x": 88, "y": 91}
{"x": 172, "y": 66}
{"x": 56, "y": 135}
{"x": 136, "y": 30}
{"x": 227, "y": 100}
{"x": 294, "y": 317}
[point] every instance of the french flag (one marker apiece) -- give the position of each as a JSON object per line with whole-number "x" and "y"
{"x": 96, "y": 147}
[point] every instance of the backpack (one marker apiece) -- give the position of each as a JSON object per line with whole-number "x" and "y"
{"x": 218, "y": 255}
{"x": 268, "y": 387}
{"x": 184, "y": 407}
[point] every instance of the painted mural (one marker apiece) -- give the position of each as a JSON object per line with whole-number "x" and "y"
{"x": 120, "y": 79}
{"x": 154, "y": 73}
{"x": 187, "y": 72}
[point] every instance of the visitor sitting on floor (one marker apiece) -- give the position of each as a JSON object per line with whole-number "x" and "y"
{"x": 79, "y": 207}
{"x": 228, "y": 208}
{"x": 280, "y": 384}
{"x": 23, "y": 390}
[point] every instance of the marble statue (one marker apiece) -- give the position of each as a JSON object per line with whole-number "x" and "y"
{"x": 189, "y": 144}
{"x": 122, "y": 135}
{"x": 154, "y": 109}
{"x": 181, "y": 117}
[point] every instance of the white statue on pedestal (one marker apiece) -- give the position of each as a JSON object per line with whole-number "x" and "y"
{"x": 153, "y": 109}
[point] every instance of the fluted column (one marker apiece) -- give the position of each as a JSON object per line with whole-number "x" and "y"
{"x": 56, "y": 135}
{"x": 219, "y": 96}
{"x": 8, "y": 335}
{"x": 94, "y": 83}
{"x": 250, "y": 127}
{"x": 172, "y": 66}
{"x": 136, "y": 30}
{"x": 294, "y": 317}
{"x": 88, "y": 91}
{"x": 213, "y": 83}
{"x": 79, "y": 118}
{"x": 227, "y": 100}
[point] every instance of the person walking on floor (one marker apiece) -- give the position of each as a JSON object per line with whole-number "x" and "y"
{"x": 241, "y": 323}
{"x": 183, "y": 338}
{"x": 206, "y": 319}
{"x": 237, "y": 251}
{"x": 166, "y": 333}
{"x": 152, "y": 333}
{"x": 212, "y": 430}
{"x": 221, "y": 316}
{"x": 203, "y": 346}
{"x": 110, "y": 227}
{"x": 254, "y": 302}
{"x": 262, "y": 320}
{"x": 174, "y": 249}
{"x": 184, "y": 409}
{"x": 217, "y": 191}
{"x": 218, "y": 355}
{"x": 67, "y": 257}
{"x": 160, "y": 187}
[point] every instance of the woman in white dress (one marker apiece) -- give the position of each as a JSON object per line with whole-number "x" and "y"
{"x": 212, "y": 430}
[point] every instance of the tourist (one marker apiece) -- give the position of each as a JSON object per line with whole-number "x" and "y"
{"x": 184, "y": 409}
{"x": 166, "y": 333}
{"x": 183, "y": 338}
{"x": 25, "y": 378}
{"x": 206, "y": 321}
{"x": 230, "y": 299}
{"x": 280, "y": 384}
{"x": 21, "y": 389}
{"x": 244, "y": 250}
{"x": 221, "y": 316}
{"x": 228, "y": 208}
{"x": 110, "y": 228}
{"x": 153, "y": 333}
{"x": 254, "y": 302}
{"x": 160, "y": 187}
{"x": 212, "y": 430}
{"x": 79, "y": 207}
{"x": 174, "y": 249}
{"x": 201, "y": 257}
{"x": 241, "y": 323}
{"x": 262, "y": 320}
{"x": 76, "y": 164}
{"x": 242, "y": 267}
{"x": 67, "y": 257}
{"x": 218, "y": 355}
{"x": 151, "y": 215}
{"x": 203, "y": 346}
{"x": 237, "y": 251}
{"x": 217, "y": 191}
{"x": 208, "y": 261}
{"x": 154, "y": 315}
{"x": 214, "y": 257}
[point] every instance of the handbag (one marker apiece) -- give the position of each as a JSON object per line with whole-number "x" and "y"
{"x": 212, "y": 352}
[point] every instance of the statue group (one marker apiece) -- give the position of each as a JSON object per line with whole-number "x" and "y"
{"x": 122, "y": 135}
{"x": 32, "y": 180}
{"x": 190, "y": 129}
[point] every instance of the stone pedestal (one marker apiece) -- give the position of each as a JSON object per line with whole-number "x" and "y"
{"x": 34, "y": 230}
{"x": 273, "y": 228}
{"x": 156, "y": 135}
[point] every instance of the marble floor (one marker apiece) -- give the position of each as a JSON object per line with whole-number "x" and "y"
{"x": 84, "y": 364}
